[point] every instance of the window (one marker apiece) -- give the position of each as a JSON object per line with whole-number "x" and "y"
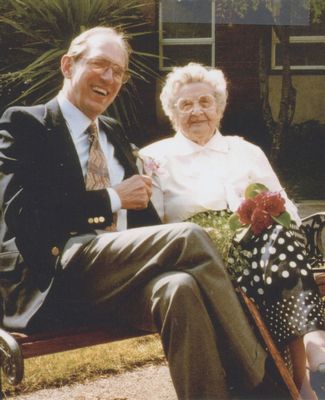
{"x": 307, "y": 48}
{"x": 186, "y": 32}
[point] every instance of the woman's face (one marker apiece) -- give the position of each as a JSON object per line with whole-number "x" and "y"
{"x": 195, "y": 113}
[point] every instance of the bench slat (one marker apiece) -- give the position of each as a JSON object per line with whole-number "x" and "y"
{"x": 38, "y": 345}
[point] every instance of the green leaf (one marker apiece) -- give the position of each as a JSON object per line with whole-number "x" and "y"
{"x": 254, "y": 189}
{"x": 234, "y": 222}
{"x": 243, "y": 234}
{"x": 283, "y": 219}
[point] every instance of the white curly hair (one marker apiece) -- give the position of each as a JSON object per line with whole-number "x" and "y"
{"x": 190, "y": 73}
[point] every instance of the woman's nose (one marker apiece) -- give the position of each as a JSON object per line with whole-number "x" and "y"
{"x": 197, "y": 109}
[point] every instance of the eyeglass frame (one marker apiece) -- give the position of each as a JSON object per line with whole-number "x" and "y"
{"x": 125, "y": 74}
{"x": 196, "y": 101}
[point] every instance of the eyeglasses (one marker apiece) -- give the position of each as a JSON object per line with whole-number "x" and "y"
{"x": 186, "y": 106}
{"x": 101, "y": 65}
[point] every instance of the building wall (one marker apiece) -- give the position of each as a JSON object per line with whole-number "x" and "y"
{"x": 237, "y": 54}
{"x": 310, "y": 102}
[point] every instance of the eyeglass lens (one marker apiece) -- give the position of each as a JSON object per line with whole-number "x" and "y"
{"x": 187, "y": 105}
{"x": 102, "y": 66}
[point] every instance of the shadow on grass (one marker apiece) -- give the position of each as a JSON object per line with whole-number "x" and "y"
{"x": 78, "y": 366}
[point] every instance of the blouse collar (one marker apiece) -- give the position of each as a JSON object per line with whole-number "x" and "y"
{"x": 185, "y": 146}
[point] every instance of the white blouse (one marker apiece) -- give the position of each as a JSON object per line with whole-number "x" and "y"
{"x": 192, "y": 178}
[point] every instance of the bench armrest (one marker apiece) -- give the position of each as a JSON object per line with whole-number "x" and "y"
{"x": 314, "y": 229}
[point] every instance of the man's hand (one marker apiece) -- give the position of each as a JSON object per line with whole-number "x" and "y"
{"x": 135, "y": 192}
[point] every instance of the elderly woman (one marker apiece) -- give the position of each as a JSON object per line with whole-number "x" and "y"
{"x": 201, "y": 175}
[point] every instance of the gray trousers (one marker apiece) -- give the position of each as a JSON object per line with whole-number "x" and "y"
{"x": 175, "y": 284}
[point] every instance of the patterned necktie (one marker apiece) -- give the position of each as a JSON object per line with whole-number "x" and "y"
{"x": 97, "y": 176}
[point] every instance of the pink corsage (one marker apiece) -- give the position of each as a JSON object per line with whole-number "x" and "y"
{"x": 146, "y": 164}
{"x": 150, "y": 166}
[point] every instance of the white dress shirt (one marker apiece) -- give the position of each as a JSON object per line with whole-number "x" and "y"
{"x": 78, "y": 124}
{"x": 192, "y": 178}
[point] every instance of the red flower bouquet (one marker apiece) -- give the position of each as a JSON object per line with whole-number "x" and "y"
{"x": 259, "y": 210}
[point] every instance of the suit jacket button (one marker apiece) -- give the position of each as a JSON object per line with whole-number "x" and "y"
{"x": 90, "y": 220}
{"x": 96, "y": 220}
{"x": 55, "y": 251}
{"x": 101, "y": 219}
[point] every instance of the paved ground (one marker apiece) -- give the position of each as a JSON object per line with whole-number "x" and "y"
{"x": 147, "y": 383}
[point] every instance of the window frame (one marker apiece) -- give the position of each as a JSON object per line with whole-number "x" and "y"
{"x": 296, "y": 39}
{"x": 185, "y": 41}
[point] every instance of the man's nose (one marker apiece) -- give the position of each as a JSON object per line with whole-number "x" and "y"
{"x": 108, "y": 74}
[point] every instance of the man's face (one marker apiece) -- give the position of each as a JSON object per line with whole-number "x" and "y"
{"x": 96, "y": 77}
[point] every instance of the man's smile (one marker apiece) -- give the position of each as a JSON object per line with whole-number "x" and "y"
{"x": 100, "y": 91}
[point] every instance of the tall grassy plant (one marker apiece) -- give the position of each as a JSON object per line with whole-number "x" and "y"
{"x": 36, "y": 33}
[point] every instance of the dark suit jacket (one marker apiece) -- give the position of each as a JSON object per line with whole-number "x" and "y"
{"x": 44, "y": 202}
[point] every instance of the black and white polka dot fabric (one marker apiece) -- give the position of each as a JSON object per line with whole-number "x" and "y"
{"x": 278, "y": 278}
{"x": 272, "y": 269}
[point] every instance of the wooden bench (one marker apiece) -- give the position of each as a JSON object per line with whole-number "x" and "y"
{"x": 15, "y": 347}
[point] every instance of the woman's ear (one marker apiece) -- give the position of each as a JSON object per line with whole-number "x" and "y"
{"x": 66, "y": 66}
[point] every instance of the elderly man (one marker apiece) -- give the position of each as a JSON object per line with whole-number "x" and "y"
{"x": 81, "y": 242}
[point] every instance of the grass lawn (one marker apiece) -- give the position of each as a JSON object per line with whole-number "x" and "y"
{"x": 89, "y": 363}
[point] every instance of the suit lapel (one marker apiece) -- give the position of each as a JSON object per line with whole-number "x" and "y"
{"x": 122, "y": 149}
{"x": 62, "y": 144}
{"x": 61, "y": 140}
{"x": 67, "y": 158}
{"x": 123, "y": 153}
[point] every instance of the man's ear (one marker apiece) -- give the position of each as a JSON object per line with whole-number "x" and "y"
{"x": 66, "y": 66}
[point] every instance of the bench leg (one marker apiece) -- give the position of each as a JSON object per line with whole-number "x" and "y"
{"x": 278, "y": 360}
{"x": 11, "y": 360}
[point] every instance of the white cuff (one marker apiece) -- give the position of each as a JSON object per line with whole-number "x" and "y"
{"x": 115, "y": 200}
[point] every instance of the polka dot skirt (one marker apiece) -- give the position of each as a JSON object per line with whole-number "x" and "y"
{"x": 278, "y": 278}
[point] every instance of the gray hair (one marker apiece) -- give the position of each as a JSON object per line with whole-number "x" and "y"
{"x": 79, "y": 44}
{"x": 190, "y": 73}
